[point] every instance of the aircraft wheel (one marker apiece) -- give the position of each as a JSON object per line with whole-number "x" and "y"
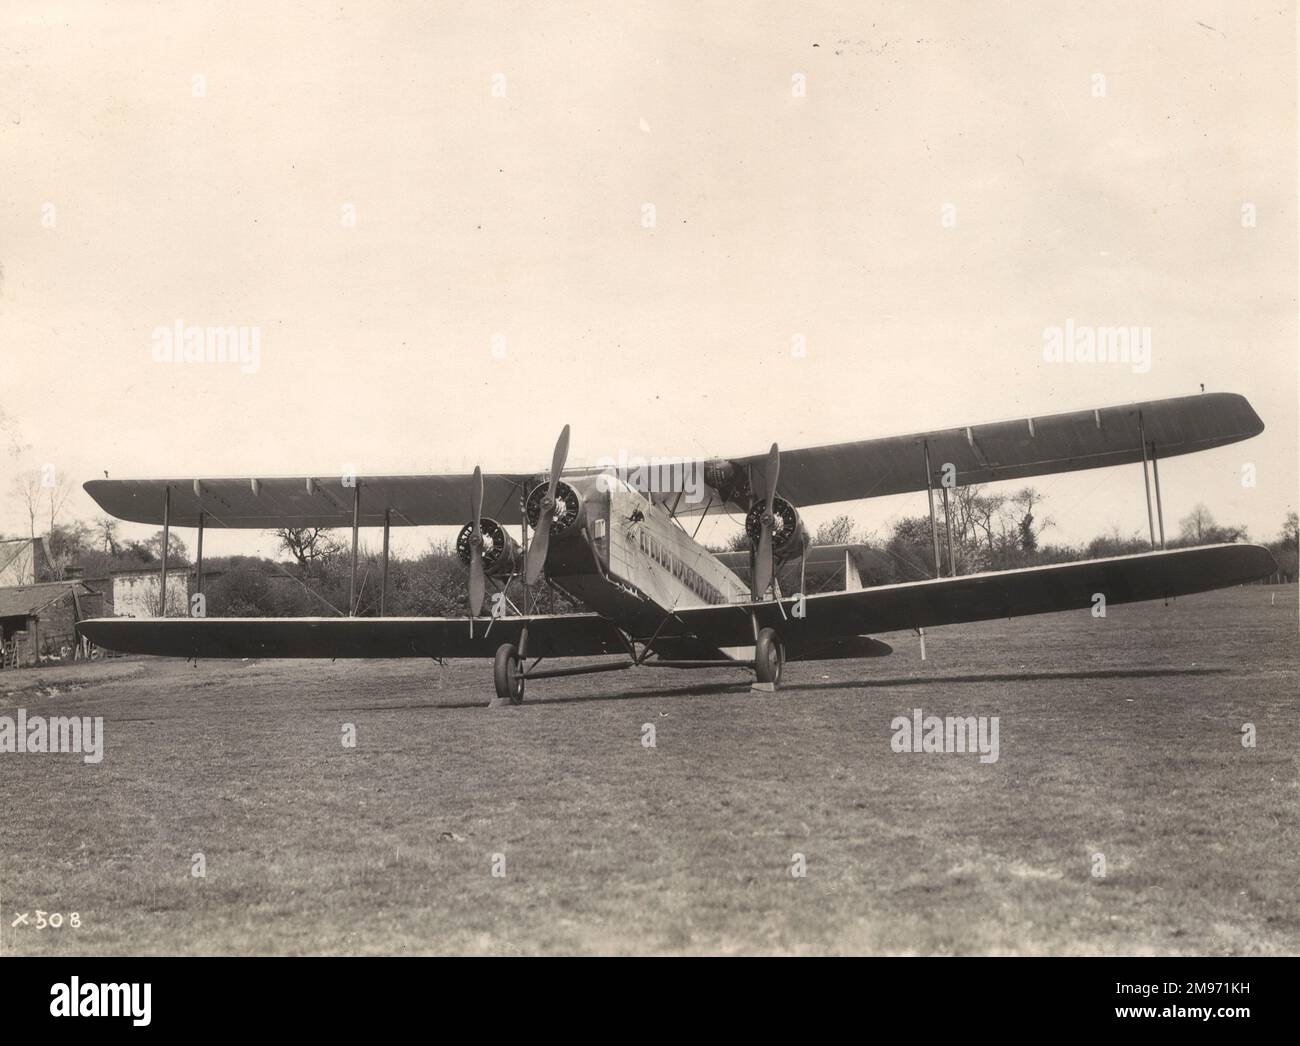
{"x": 507, "y": 674}
{"x": 769, "y": 656}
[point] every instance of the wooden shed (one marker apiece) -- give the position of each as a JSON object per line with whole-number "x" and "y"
{"x": 39, "y": 621}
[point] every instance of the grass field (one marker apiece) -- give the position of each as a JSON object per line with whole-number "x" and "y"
{"x": 1119, "y": 736}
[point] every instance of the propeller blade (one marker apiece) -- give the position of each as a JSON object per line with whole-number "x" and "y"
{"x": 763, "y": 557}
{"x": 476, "y": 502}
{"x": 477, "y": 581}
{"x": 773, "y": 471}
{"x": 541, "y": 541}
{"x": 537, "y": 549}
{"x": 763, "y": 563}
{"x": 558, "y": 459}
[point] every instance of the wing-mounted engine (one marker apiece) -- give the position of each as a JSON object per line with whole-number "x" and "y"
{"x": 790, "y": 537}
{"x": 775, "y": 530}
{"x": 484, "y": 546}
{"x": 553, "y": 505}
{"x": 501, "y": 556}
{"x": 728, "y": 479}
{"x": 567, "y": 504}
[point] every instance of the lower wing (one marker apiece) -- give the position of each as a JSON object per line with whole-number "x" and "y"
{"x": 979, "y": 597}
{"x": 560, "y": 635}
{"x": 885, "y": 608}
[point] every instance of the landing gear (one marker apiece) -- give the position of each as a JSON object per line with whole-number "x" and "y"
{"x": 508, "y": 674}
{"x": 769, "y": 656}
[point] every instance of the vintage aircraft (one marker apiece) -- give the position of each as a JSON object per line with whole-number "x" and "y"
{"x": 658, "y": 598}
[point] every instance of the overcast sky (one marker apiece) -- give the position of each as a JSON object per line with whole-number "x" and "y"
{"x": 196, "y": 162}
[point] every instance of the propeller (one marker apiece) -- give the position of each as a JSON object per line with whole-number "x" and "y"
{"x": 477, "y": 582}
{"x": 763, "y": 557}
{"x": 542, "y": 535}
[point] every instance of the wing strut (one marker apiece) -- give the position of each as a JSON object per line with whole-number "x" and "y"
{"x": 198, "y": 570}
{"x": 702, "y": 515}
{"x": 1155, "y": 472}
{"x": 1155, "y": 469}
{"x": 167, "y": 531}
{"x": 947, "y": 529}
{"x": 1160, "y": 512}
{"x": 1146, "y": 480}
{"x": 383, "y": 578}
{"x": 352, "y": 577}
{"x": 934, "y": 526}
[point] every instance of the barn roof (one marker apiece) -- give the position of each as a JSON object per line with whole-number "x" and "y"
{"x": 27, "y": 600}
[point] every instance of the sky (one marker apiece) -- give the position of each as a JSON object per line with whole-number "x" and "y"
{"x": 456, "y": 228}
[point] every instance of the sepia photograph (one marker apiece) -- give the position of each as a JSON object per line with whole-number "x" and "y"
{"x": 654, "y": 479}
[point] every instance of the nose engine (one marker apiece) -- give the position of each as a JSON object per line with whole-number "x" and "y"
{"x": 568, "y": 503}
{"x": 500, "y": 550}
{"x": 789, "y": 535}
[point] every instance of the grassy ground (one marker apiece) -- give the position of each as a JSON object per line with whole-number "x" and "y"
{"x": 1119, "y": 736}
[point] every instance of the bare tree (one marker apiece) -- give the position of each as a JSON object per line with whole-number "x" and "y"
{"x": 1199, "y": 528}
{"x": 106, "y": 528}
{"x": 1027, "y": 535}
{"x": 58, "y": 493}
{"x": 838, "y": 531}
{"x": 28, "y": 487}
{"x": 992, "y": 530}
{"x": 308, "y": 545}
{"x": 1197, "y": 525}
{"x": 983, "y": 523}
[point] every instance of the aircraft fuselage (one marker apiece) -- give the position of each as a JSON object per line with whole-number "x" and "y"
{"x": 629, "y": 560}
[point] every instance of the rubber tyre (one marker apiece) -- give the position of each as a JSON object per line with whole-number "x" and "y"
{"x": 507, "y": 674}
{"x": 769, "y": 657}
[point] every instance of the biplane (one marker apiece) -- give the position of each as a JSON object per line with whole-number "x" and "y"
{"x": 656, "y": 597}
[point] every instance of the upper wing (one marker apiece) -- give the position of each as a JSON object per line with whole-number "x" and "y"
{"x": 1082, "y": 439}
{"x": 558, "y": 635}
{"x": 810, "y": 476}
{"x": 978, "y": 597}
{"x": 307, "y": 501}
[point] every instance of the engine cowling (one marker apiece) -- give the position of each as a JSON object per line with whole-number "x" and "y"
{"x": 728, "y": 479}
{"x": 789, "y": 535}
{"x": 568, "y": 505}
{"x": 500, "y": 551}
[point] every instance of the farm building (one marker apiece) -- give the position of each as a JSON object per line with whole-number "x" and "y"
{"x": 38, "y": 621}
{"x": 135, "y": 593}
